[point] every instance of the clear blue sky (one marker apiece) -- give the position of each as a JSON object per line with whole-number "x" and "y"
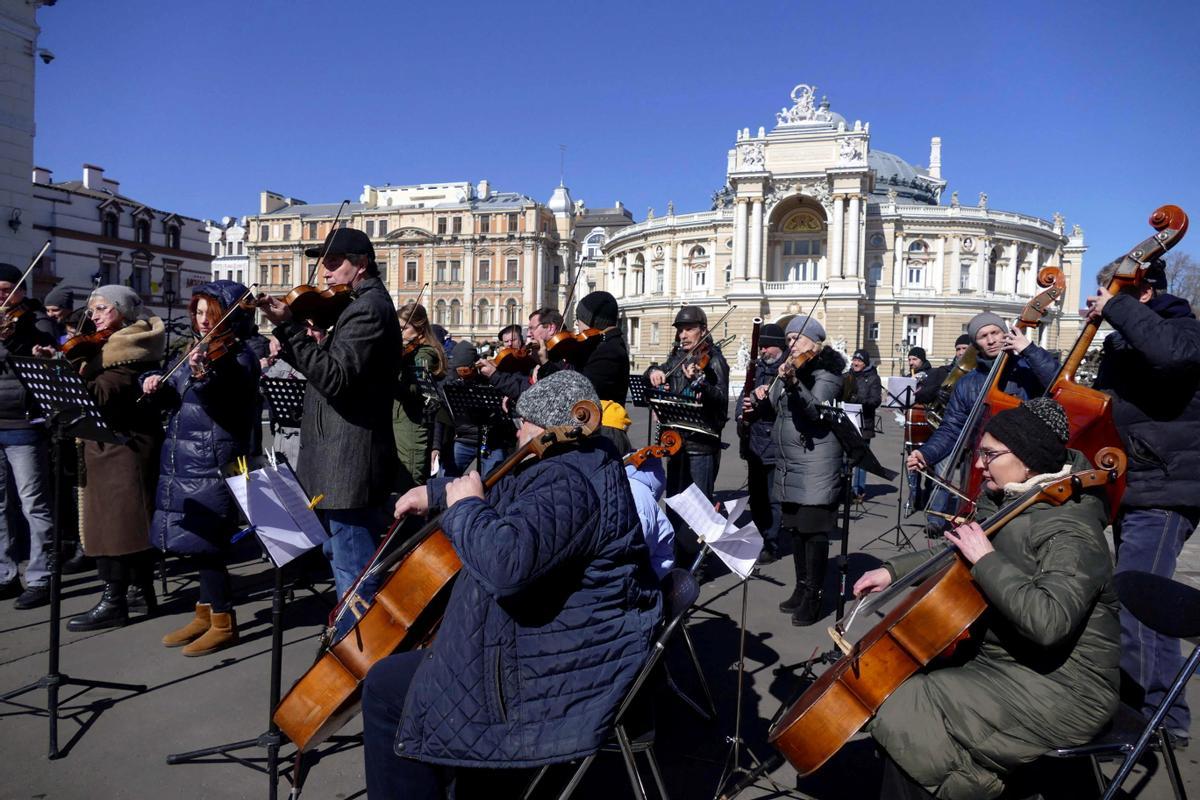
{"x": 1087, "y": 108}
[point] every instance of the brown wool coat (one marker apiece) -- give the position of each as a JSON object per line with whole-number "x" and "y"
{"x": 118, "y": 481}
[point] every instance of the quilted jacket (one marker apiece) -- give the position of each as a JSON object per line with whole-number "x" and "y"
{"x": 548, "y": 623}
{"x": 808, "y": 456}
{"x": 211, "y": 422}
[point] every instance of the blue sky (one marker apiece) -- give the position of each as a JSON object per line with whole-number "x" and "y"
{"x": 1090, "y": 109}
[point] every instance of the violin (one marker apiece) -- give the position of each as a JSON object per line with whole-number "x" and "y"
{"x": 565, "y": 345}
{"x": 933, "y": 617}
{"x": 321, "y": 307}
{"x": 405, "y": 613}
{"x": 82, "y": 348}
{"x": 213, "y": 350}
{"x": 669, "y": 443}
{"x": 517, "y": 359}
{"x": 9, "y": 319}
{"x": 1089, "y": 411}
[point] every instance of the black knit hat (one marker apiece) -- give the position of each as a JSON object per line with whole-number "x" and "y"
{"x": 961, "y": 340}
{"x": 863, "y": 356}
{"x": 1036, "y": 432}
{"x": 9, "y": 273}
{"x": 598, "y": 310}
{"x": 771, "y": 335}
{"x": 919, "y": 352}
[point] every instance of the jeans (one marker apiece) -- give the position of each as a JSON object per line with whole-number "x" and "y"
{"x": 353, "y": 537}
{"x": 684, "y": 469}
{"x": 763, "y": 507}
{"x": 1150, "y": 540}
{"x": 463, "y": 454}
{"x": 392, "y": 776}
{"x": 24, "y": 453}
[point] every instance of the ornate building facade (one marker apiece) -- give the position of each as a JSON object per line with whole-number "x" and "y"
{"x": 485, "y": 258}
{"x": 812, "y": 218}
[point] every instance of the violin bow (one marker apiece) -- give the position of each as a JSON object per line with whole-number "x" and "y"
{"x": 312, "y": 273}
{"x": 206, "y": 337}
{"x": 25, "y": 275}
{"x": 803, "y": 325}
{"x": 707, "y": 336}
{"x": 416, "y": 303}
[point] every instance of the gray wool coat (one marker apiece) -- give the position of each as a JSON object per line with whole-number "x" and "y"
{"x": 347, "y": 448}
{"x": 808, "y": 457}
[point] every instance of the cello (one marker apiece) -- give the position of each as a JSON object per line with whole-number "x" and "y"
{"x": 404, "y": 614}
{"x": 1089, "y": 411}
{"x": 921, "y": 627}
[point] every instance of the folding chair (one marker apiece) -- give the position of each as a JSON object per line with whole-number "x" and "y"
{"x": 1172, "y": 609}
{"x": 680, "y": 591}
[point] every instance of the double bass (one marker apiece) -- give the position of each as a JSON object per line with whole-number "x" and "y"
{"x": 1089, "y": 411}
{"x": 931, "y": 619}
{"x": 404, "y": 614}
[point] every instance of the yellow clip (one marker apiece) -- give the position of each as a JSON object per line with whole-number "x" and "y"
{"x": 313, "y": 503}
{"x": 243, "y": 466}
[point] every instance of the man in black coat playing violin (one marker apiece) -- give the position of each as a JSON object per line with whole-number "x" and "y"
{"x": 347, "y": 448}
{"x": 686, "y": 375}
{"x": 1151, "y": 367}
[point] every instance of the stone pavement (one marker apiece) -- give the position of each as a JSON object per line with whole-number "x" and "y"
{"x": 115, "y": 743}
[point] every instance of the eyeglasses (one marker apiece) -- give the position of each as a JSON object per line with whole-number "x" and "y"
{"x": 988, "y": 456}
{"x": 100, "y": 308}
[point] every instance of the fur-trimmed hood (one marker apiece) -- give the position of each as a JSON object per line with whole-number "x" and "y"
{"x": 139, "y": 341}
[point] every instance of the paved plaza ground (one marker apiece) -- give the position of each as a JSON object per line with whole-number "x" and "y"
{"x": 115, "y": 743}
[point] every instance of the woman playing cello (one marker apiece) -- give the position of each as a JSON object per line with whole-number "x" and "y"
{"x": 1040, "y": 670}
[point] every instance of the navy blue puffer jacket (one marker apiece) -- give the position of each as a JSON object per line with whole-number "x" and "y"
{"x": 211, "y": 423}
{"x": 548, "y": 623}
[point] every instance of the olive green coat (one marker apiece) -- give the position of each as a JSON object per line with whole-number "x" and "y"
{"x": 1044, "y": 671}
{"x": 413, "y": 389}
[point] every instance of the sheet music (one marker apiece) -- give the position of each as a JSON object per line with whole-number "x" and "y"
{"x": 854, "y": 413}
{"x": 738, "y": 548}
{"x": 285, "y": 534}
{"x": 899, "y": 389}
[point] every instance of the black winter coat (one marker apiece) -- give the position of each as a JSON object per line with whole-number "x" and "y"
{"x": 606, "y": 365}
{"x": 347, "y": 449}
{"x": 1151, "y": 367}
{"x": 865, "y": 389}
{"x": 548, "y": 623}
{"x": 31, "y": 328}
{"x": 759, "y": 421}
{"x": 929, "y": 386}
{"x": 712, "y": 389}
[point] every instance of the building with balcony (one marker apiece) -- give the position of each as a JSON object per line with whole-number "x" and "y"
{"x": 227, "y": 243}
{"x": 479, "y": 258}
{"x": 812, "y": 218}
{"x": 100, "y": 236}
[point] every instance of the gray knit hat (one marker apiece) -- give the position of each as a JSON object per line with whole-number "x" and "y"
{"x": 548, "y": 402}
{"x": 124, "y": 299}
{"x": 60, "y": 297}
{"x": 808, "y": 326}
{"x": 980, "y": 321}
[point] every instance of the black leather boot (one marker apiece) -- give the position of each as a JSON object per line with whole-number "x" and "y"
{"x": 801, "y": 567}
{"x": 111, "y": 612}
{"x": 808, "y": 610}
{"x": 141, "y": 599}
{"x": 816, "y": 558}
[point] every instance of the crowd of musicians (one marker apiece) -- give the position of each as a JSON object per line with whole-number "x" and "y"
{"x": 558, "y": 599}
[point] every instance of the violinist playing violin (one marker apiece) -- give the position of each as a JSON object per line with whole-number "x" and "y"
{"x": 695, "y": 368}
{"x": 808, "y": 459}
{"x": 24, "y": 447}
{"x": 1039, "y": 670}
{"x": 1025, "y": 376}
{"x": 422, "y": 363}
{"x": 546, "y": 627}
{"x": 212, "y": 412}
{"x": 514, "y": 379}
{"x": 603, "y": 358}
{"x": 1150, "y": 365}
{"x": 347, "y": 448}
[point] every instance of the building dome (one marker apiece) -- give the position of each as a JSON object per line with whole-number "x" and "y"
{"x": 894, "y": 173}
{"x": 560, "y": 202}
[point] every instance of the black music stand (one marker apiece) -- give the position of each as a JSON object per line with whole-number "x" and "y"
{"x": 478, "y": 404}
{"x": 272, "y": 739}
{"x": 682, "y": 413}
{"x": 902, "y": 402}
{"x": 63, "y": 400}
{"x": 285, "y": 401}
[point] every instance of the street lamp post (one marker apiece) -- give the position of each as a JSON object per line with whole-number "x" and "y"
{"x": 169, "y": 299}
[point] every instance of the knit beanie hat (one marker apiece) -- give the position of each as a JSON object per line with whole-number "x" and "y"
{"x": 964, "y": 339}
{"x": 9, "y": 273}
{"x": 919, "y": 352}
{"x": 981, "y": 321}
{"x": 464, "y": 355}
{"x": 863, "y": 356}
{"x": 808, "y": 326}
{"x": 598, "y": 310}
{"x": 549, "y": 401}
{"x": 771, "y": 335}
{"x": 60, "y": 297}
{"x": 124, "y": 299}
{"x": 1036, "y": 431}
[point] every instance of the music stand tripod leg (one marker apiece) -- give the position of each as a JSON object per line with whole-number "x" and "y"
{"x": 901, "y": 538}
{"x": 54, "y": 680}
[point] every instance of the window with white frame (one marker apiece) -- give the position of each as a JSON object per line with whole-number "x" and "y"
{"x": 410, "y": 271}
{"x": 511, "y": 271}
{"x": 440, "y": 271}
{"x": 485, "y": 312}
{"x": 659, "y": 280}
{"x": 512, "y": 313}
{"x": 592, "y": 245}
{"x": 964, "y": 277}
{"x": 455, "y": 312}
{"x": 802, "y": 259}
{"x": 455, "y": 271}
{"x": 439, "y": 312}
{"x": 653, "y": 333}
{"x": 635, "y": 333}
{"x": 485, "y": 270}
{"x": 916, "y": 273}
{"x": 875, "y": 273}
{"x": 873, "y": 331}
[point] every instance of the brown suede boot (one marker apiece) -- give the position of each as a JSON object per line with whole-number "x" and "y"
{"x": 193, "y": 630}
{"x": 222, "y": 634}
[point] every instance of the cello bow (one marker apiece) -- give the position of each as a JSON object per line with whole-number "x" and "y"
{"x": 922, "y": 626}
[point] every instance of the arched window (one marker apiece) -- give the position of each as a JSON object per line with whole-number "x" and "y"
{"x": 639, "y": 275}
{"x": 592, "y": 245}
{"x": 993, "y": 269}
{"x": 455, "y": 313}
{"x": 439, "y": 312}
{"x": 511, "y": 312}
{"x": 485, "y": 312}
{"x": 918, "y": 246}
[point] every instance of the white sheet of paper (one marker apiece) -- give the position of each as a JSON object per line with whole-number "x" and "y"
{"x": 896, "y": 390}
{"x": 274, "y": 525}
{"x": 854, "y": 413}
{"x": 287, "y": 488}
{"x": 738, "y": 548}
